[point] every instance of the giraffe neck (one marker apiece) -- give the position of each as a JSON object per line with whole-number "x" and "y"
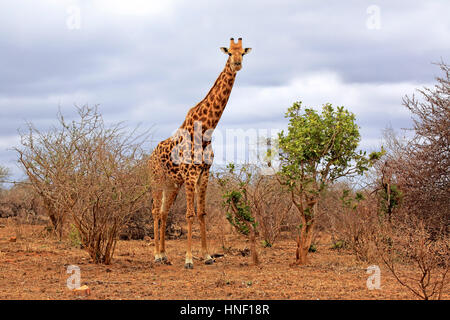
{"x": 210, "y": 109}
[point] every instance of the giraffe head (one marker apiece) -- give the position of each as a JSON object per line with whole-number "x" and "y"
{"x": 236, "y": 52}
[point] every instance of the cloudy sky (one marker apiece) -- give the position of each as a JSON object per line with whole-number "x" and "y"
{"x": 147, "y": 62}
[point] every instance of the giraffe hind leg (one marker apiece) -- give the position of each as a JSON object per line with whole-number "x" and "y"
{"x": 156, "y": 207}
{"x": 168, "y": 198}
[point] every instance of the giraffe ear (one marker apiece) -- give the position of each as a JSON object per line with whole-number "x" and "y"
{"x": 247, "y": 50}
{"x": 224, "y": 50}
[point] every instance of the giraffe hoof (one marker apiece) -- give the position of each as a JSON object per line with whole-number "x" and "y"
{"x": 210, "y": 261}
{"x": 165, "y": 260}
{"x": 189, "y": 265}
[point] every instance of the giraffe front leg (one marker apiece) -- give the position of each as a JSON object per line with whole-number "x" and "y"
{"x": 201, "y": 214}
{"x": 190, "y": 193}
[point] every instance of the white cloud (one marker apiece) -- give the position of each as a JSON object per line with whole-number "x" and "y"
{"x": 366, "y": 100}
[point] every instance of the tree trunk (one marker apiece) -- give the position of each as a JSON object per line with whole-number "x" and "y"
{"x": 304, "y": 239}
{"x": 303, "y": 245}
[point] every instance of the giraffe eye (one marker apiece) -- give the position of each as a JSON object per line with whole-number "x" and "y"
{"x": 229, "y": 54}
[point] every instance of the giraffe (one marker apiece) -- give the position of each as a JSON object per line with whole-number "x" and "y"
{"x": 177, "y": 161}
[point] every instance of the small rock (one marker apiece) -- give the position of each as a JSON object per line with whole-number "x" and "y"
{"x": 12, "y": 239}
{"x": 83, "y": 290}
{"x": 147, "y": 238}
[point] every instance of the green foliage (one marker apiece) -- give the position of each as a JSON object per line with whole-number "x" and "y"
{"x": 389, "y": 202}
{"x": 312, "y": 247}
{"x": 338, "y": 244}
{"x": 317, "y": 149}
{"x": 320, "y": 148}
{"x": 239, "y": 211}
{"x": 349, "y": 201}
{"x": 266, "y": 244}
{"x": 74, "y": 237}
{"x": 238, "y": 207}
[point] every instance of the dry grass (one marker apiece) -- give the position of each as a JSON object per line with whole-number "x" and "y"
{"x": 35, "y": 267}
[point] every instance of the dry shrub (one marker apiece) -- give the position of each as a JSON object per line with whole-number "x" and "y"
{"x": 420, "y": 167}
{"x": 408, "y": 241}
{"x": 214, "y": 199}
{"x": 400, "y": 240}
{"x": 22, "y": 203}
{"x": 412, "y": 184}
{"x": 237, "y": 186}
{"x": 358, "y": 228}
{"x": 217, "y": 223}
{"x": 352, "y": 222}
{"x": 269, "y": 203}
{"x": 272, "y": 208}
{"x": 4, "y": 173}
{"x": 90, "y": 173}
{"x": 105, "y": 200}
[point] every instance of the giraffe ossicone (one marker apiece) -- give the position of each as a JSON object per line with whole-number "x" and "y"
{"x": 187, "y": 156}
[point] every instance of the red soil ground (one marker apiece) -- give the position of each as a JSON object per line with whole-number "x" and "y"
{"x": 35, "y": 267}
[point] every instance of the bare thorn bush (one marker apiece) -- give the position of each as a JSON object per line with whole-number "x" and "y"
{"x": 87, "y": 172}
{"x": 409, "y": 241}
{"x": 352, "y": 219}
